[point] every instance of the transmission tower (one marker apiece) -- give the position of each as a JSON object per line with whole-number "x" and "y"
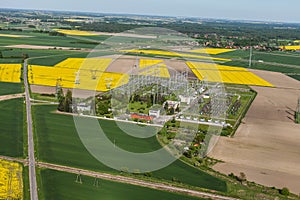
{"x": 297, "y": 113}
{"x": 9, "y": 183}
{"x": 77, "y": 80}
{"x": 78, "y": 178}
{"x": 96, "y": 181}
{"x": 250, "y": 57}
{"x": 58, "y": 85}
{"x": 94, "y": 74}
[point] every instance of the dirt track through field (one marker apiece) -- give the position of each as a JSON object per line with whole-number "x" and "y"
{"x": 11, "y": 96}
{"x": 266, "y": 146}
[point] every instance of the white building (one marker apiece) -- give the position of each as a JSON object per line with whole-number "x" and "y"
{"x": 184, "y": 99}
{"x": 83, "y": 107}
{"x": 154, "y": 113}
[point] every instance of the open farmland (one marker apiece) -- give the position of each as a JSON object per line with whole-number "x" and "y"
{"x": 11, "y": 128}
{"x": 290, "y": 47}
{"x": 10, "y": 88}
{"x": 90, "y": 72}
{"x": 76, "y": 32}
{"x": 43, "y": 39}
{"x": 47, "y": 57}
{"x": 13, "y": 36}
{"x": 11, "y": 181}
{"x": 60, "y": 185}
{"x": 59, "y": 143}
{"x": 173, "y": 54}
{"x": 212, "y": 51}
{"x": 10, "y": 73}
{"x": 227, "y": 74}
{"x": 159, "y": 69}
{"x": 268, "y": 139}
{"x": 284, "y": 62}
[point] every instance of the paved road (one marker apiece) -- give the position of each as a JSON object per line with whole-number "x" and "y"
{"x": 31, "y": 158}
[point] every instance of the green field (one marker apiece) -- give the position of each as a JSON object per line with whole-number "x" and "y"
{"x": 10, "y": 88}
{"x": 26, "y": 190}
{"x": 282, "y": 58}
{"x": 58, "y": 142}
{"x": 59, "y": 185}
{"x": 45, "y": 39}
{"x": 11, "y": 128}
{"x": 52, "y": 60}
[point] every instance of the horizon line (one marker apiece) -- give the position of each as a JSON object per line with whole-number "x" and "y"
{"x": 155, "y": 15}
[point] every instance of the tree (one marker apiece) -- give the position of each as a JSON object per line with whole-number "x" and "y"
{"x": 173, "y": 120}
{"x": 166, "y": 106}
{"x": 172, "y": 111}
{"x": 199, "y": 138}
{"x": 68, "y": 102}
{"x": 61, "y": 100}
{"x": 285, "y": 191}
{"x": 177, "y": 109}
{"x": 1, "y": 55}
{"x": 102, "y": 108}
{"x": 242, "y": 177}
{"x": 25, "y": 56}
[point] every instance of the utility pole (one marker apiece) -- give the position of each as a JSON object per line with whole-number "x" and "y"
{"x": 250, "y": 58}
{"x": 297, "y": 113}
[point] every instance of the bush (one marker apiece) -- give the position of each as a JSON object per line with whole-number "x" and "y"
{"x": 148, "y": 174}
{"x": 284, "y": 191}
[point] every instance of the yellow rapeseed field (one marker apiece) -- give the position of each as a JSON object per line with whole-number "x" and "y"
{"x": 10, "y": 35}
{"x": 76, "y": 32}
{"x": 159, "y": 69}
{"x": 226, "y": 74}
{"x": 90, "y": 72}
{"x": 290, "y": 47}
{"x": 212, "y": 51}
{"x": 11, "y": 182}
{"x": 10, "y": 73}
{"x": 169, "y": 53}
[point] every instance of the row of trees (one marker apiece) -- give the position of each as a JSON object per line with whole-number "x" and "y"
{"x": 65, "y": 101}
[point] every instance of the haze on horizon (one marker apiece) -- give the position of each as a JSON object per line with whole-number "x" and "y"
{"x": 260, "y": 10}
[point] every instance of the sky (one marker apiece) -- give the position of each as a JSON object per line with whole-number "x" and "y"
{"x": 261, "y": 10}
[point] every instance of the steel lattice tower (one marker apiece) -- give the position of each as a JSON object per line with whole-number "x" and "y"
{"x": 297, "y": 113}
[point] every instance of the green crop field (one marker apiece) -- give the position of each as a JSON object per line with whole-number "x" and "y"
{"x": 234, "y": 54}
{"x": 44, "y": 39}
{"x": 60, "y": 185}
{"x": 18, "y": 53}
{"x": 58, "y": 142}
{"x": 10, "y": 88}
{"x": 271, "y": 57}
{"x": 54, "y": 59}
{"x": 11, "y": 128}
{"x": 277, "y": 58}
